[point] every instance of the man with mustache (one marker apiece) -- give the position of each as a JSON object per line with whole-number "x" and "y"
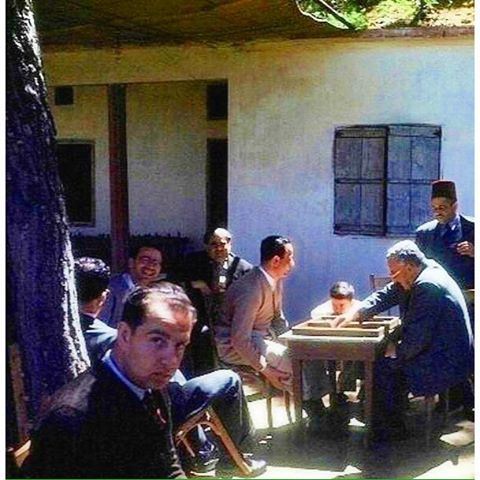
{"x": 435, "y": 348}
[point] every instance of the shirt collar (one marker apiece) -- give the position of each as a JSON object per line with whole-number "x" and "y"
{"x": 109, "y": 361}
{"x": 455, "y": 223}
{"x": 271, "y": 281}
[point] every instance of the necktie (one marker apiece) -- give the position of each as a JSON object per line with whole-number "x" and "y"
{"x": 153, "y": 407}
{"x": 450, "y": 235}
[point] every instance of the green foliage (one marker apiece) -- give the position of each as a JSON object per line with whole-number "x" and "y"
{"x": 363, "y": 14}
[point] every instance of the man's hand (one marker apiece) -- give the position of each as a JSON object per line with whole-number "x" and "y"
{"x": 202, "y": 286}
{"x": 344, "y": 319}
{"x": 466, "y": 248}
{"x": 278, "y": 378}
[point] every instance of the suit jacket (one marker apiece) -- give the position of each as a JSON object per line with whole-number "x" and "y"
{"x": 436, "y": 349}
{"x": 118, "y": 290}
{"x": 99, "y": 337}
{"x": 97, "y": 428}
{"x": 460, "y": 267}
{"x": 199, "y": 266}
{"x": 251, "y": 310}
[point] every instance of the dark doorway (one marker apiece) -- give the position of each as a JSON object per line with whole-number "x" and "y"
{"x": 217, "y": 182}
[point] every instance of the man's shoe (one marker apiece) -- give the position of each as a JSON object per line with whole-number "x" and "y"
{"x": 257, "y": 467}
{"x": 204, "y": 461}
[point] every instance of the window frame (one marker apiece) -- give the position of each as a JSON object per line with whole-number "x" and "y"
{"x": 91, "y": 143}
{"x": 390, "y": 131}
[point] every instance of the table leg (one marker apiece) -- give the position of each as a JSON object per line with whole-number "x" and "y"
{"x": 297, "y": 391}
{"x": 332, "y": 373}
{"x": 368, "y": 402}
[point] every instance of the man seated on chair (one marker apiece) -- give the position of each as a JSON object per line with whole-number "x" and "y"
{"x": 207, "y": 274}
{"x": 340, "y": 301}
{"x": 435, "y": 349}
{"x": 144, "y": 269}
{"x": 253, "y": 317}
{"x": 99, "y": 426}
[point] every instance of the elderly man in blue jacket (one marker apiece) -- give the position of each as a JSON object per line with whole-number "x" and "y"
{"x": 435, "y": 348}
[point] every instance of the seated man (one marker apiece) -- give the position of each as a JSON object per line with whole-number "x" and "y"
{"x": 435, "y": 350}
{"x": 207, "y": 275}
{"x": 341, "y": 300}
{"x": 253, "y": 316}
{"x": 69, "y": 420}
{"x": 145, "y": 267}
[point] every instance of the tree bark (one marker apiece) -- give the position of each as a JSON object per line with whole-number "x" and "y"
{"x": 41, "y": 296}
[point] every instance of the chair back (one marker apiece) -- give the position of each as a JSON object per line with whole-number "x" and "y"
{"x": 378, "y": 281}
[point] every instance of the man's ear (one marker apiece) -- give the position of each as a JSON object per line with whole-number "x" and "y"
{"x": 124, "y": 333}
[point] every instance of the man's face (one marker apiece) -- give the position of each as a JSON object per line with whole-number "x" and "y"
{"x": 402, "y": 273}
{"x": 444, "y": 209}
{"x": 150, "y": 354}
{"x": 283, "y": 265}
{"x": 219, "y": 247}
{"x": 146, "y": 266}
{"x": 340, "y": 305}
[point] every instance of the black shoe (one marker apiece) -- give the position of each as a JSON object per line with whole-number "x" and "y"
{"x": 204, "y": 461}
{"x": 257, "y": 467}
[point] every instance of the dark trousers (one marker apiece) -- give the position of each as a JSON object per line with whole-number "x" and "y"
{"x": 223, "y": 391}
{"x": 389, "y": 395}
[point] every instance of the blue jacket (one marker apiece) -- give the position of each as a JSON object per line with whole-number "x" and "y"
{"x": 460, "y": 267}
{"x": 436, "y": 347}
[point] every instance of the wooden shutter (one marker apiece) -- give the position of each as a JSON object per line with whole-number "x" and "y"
{"x": 413, "y": 163}
{"x": 359, "y": 169}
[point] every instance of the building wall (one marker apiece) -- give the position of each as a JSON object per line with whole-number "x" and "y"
{"x": 285, "y": 101}
{"x": 166, "y": 131}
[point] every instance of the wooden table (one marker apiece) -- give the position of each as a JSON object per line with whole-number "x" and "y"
{"x": 310, "y": 347}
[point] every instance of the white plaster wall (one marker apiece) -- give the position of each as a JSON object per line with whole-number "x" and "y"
{"x": 166, "y": 147}
{"x": 284, "y": 108}
{"x": 285, "y": 101}
{"x": 166, "y": 131}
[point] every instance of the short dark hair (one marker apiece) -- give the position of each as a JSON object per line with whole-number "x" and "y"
{"x": 135, "y": 249}
{"x": 273, "y": 245}
{"x": 137, "y": 302}
{"x": 91, "y": 277}
{"x": 341, "y": 290}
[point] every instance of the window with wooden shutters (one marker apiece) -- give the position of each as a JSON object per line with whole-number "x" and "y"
{"x": 382, "y": 178}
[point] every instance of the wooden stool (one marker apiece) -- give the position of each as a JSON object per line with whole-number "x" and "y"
{"x": 429, "y": 407}
{"x": 207, "y": 417}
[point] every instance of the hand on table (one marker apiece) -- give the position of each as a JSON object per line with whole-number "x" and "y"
{"x": 344, "y": 319}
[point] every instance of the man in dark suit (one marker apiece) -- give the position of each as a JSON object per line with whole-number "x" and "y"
{"x": 253, "y": 317}
{"x": 435, "y": 349}
{"x": 449, "y": 239}
{"x": 105, "y": 423}
{"x": 207, "y": 275}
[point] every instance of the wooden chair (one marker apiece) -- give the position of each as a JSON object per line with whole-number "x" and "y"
{"x": 208, "y": 418}
{"x": 15, "y": 459}
{"x": 257, "y": 381}
{"x": 378, "y": 281}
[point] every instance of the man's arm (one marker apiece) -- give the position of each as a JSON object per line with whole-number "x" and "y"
{"x": 246, "y": 304}
{"x": 419, "y": 322}
{"x": 377, "y": 302}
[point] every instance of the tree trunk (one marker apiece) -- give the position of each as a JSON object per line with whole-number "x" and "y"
{"x": 41, "y": 296}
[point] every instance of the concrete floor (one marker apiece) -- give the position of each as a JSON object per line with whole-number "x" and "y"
{"x": 292, "y": 454}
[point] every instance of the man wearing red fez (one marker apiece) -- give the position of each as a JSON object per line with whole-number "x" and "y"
{"x": 449, "y": 239}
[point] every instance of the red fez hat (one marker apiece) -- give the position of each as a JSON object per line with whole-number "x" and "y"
{"x": 444, "y": 188}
